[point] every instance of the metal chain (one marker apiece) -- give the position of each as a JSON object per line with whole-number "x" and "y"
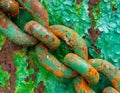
{"x": 75, "y": 64}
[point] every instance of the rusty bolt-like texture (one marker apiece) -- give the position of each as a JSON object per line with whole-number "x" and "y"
{"x": 107, "y": 69}
{"x": 11, "y": 7}
{"x": 81, "y": 86}
{"x": 72, "y": 38}
{"x": 37, "y": 10}
{"x": 82, "y": 67}
{"x": 41, "y": 33}
{"x": 52, "y": 64}
{"x": 9, "y": 29}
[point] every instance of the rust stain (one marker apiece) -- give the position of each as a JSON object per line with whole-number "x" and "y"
{"x": 107, "y": 69}
{"x": 3, "y": 20}
{"x": 41, "y": 88}
{"x": 6, "y": 60}
{"x": 81, "y": 85}
{"x": 11, "y": 7}
{"x": 73, "y": 40}
{"x": 94, "y": 34}
{"x": 37, "y": 10}
{"x": 43, "y": 34}
{"x": 58, "y": 73}
{"x": 87, "y": 71}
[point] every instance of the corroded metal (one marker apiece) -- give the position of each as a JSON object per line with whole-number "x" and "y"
{"x": 82, "y": 67}
{"x": 10, "y": 6}
{"x": 86, "y": 68}
{"x": 109, "y": 70}
{"x": 72, "y": 38}
{"x": 52, "y": 64}
{"x": 81, "y": 86}
{"x": 9, "y": 29}
{"x": 41, "y": 33}
{"x": 110, "y": 90}
{"x": 37, "y": 10}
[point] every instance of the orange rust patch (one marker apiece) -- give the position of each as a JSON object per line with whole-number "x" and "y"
{"x": 3, "y": 20}
{"x": 15, "y": 7}
{"x": 58, "y": 73}
{"x": 39, "y": 9}
{"x": 47, "y": 67}
{"x": 114, "y": 83}
{"x": 93, "y": 72}
{"x": 82, "y": 86}
{"x": 86, "y": 52}
{"x": 57, "y": 32}
{"x": 11, "y": 7}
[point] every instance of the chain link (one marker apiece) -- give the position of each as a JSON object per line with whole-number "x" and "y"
{"x": 74, "y": 64}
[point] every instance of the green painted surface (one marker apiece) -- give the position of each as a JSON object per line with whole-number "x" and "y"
{"x": 22, "y": 73}
{"x": 78, "y": 81}
{"x": 108, "y": 70}
{"x": 4, "y": 77}
{"x": 42, "y": 34}
{"x": 22, "y": 19}
{"x": 2, "y": 40}
{"x": 82, "y": 67}
{"x": 73, "y": 39}
{"x": 52, "y": 83}
{"x": 107, "y": 21}
{"x": 68, "y": 13}
{"x": 52, "y": 64}
{"x": 12, "y": 32}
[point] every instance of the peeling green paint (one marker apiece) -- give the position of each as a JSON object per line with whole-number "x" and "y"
{"x": 68, "y": 13}
{"x": 22, "y": 73}
{"x": 52, "y": 83}
{"x": 107, "y": 21}
{"x": 4, "y": 78}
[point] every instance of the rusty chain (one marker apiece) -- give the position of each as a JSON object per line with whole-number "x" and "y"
{"x": 77, "y": 65}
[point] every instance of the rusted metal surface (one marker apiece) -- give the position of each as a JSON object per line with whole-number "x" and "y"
{"x": 72, "y": 38}
{"x": 37, "y": 10}
{"x": 6, "y": 61}
{"x": 52, "y": 64}
{"x": 48, "y": 35}
{"x": 82, "y": 67}
{"x": 9, "y": 29}
{"x": 41, "y": 33}
{"x": 81, "y": 86}
{"x": 11, "y": 7}
{"x": 107, "y": 69}
{"x": 110, "y": 90}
